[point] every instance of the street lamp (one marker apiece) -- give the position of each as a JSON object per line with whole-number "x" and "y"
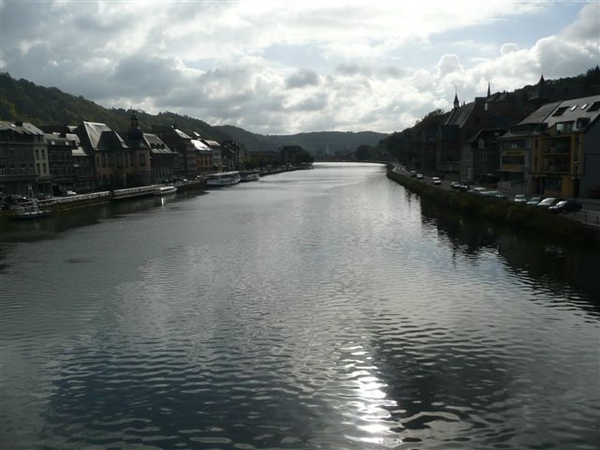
{"x": 575, "y": 179}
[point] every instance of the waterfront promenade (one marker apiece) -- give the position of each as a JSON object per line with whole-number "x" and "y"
{"x": 589, "y": 215}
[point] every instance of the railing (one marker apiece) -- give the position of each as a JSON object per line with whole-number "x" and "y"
{"x": 589, "y": 217}
{"x": 81, "y": 197}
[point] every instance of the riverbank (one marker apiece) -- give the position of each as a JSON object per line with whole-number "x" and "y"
{"x": 518, "y": 215}
{"x": 57, "y": 204}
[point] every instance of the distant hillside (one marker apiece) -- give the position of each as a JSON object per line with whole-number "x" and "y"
{"x": 321, "y": 142}
{"x": 25, "y": 101}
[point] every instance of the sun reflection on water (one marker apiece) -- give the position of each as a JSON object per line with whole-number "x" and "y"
{"x": 369, "y": 408}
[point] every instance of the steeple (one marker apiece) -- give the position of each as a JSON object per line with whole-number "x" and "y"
{"x": 135, "y": 133}
{"x": 489, "y": 93}
{"x": 456, "y": 102}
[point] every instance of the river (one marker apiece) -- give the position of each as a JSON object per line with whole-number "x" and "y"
{"x": 317, "y": 309}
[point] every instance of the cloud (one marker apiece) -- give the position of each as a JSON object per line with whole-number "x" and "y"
{"x": 283, "y": 68}
{"x": 508, "y": 48}
{"x": 302, "y": 78}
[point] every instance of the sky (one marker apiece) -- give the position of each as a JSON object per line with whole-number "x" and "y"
{"x": 285, "y": 67}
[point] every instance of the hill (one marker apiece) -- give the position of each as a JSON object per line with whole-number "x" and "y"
{"x": 320, "y": 142}
{"x": 25, "y": 101}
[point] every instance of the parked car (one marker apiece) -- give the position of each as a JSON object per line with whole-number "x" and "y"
{"x": 566, "y": 206}
{"x": 548, "y": 202}
{"x": 15, "y": 199}
{"x": 495, "y": 194}
{"x": 413, "y": 173}
{"x": 419, "y": 176}
{"x": 520, "y": 198}
{"x": 455, "y": 185}
{"x": 436, "y": 180}
{"x": 478, "y": 190}
{"x": 69, "y": 193}
{"x": 533, "y": 201}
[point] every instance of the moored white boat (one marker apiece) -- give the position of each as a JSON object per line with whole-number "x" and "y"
{"x": 165, "y": 190}
{"x": 223, "y": 179}
{"x": 249, "y": 175}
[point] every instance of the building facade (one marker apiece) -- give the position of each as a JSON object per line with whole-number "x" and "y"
{"x": 19, "y": 143}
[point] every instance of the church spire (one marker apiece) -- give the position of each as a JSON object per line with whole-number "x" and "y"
{"x": 489, "y": 93}
{"x": 456, "y": 102}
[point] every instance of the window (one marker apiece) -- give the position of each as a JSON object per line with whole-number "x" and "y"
{"x": 564, "y": 127}
{"x": 37, "y": 154}
{"x": 573, "y": 108}
{"x": 142, "y": 159}
{"x": 44, "y": 171}
{"x": 594, "y": 107}
{"x": 37, "y": 167}
{"x": 560, "y": 111}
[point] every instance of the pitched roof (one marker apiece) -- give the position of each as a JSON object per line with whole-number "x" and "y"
{"x": 20, "y": 127}
{"x": 540, "y": 114}
{"x": 458, "y": 116}
{"x": 213, "y": 144}
{"x": 587, "y": 108}
{"x": 201, "y": 146}
{"x": 156, "y": 145}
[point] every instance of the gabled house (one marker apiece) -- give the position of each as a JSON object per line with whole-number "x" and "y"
{"x": 20, "y": 142}
{"x": 517, "y": 149}
{"x": 480, "y": 158}
{"x": 203, "y": 156}
{"x": 461, "y": 125}
{"x": 140, "y": 153}
{"x": 567, "y": 156}
{"x": 181, "y": 143}
{"x": 162, "y": 159}
{"x": 112, "y": 157}
{"x": 232, "y": 155}
{"x": 495, "y": 112}
{"x": 217, "y": 153}
{"x": 60, "y": 159}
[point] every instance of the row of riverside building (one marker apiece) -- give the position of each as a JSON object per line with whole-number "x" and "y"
{"x": 547, "y": 144}
{"x": 50, "y": 160}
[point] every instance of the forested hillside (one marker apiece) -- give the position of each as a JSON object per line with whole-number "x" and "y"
{"x": 320, "y": 142}
{"x": 25, "y": 101}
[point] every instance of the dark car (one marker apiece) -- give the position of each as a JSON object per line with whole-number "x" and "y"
{"x": 566, "y": 206}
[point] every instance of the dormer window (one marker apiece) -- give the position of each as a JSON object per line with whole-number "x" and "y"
{"x": 573, "y": 108}
{"x": 584, "y": 106}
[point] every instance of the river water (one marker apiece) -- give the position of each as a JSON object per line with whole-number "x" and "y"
{"x": 318, "y": 309}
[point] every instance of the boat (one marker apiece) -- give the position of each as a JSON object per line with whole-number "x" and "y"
{"x": 249, "y": 175}
{"x": 165, "y": 190}
{"x": 31, "y": 210}
{"x": 223, "y": 179}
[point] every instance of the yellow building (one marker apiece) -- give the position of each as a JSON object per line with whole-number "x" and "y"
{"x": 566, "y": 157}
